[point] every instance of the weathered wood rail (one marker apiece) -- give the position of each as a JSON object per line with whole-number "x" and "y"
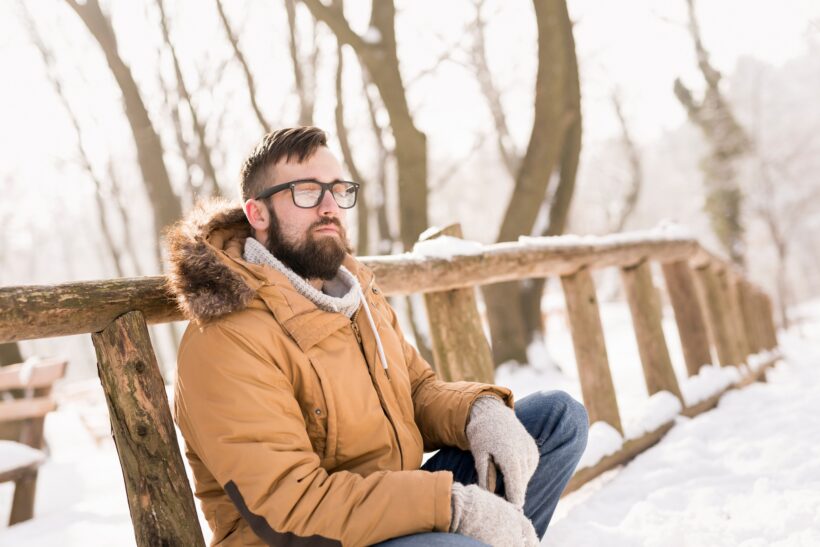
{"x": 717, "y": 311}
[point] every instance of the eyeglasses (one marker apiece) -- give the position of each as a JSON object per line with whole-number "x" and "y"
{"x": 309, "y": 193}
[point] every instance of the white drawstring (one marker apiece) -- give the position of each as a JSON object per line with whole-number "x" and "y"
{"x": 379, "y": 347}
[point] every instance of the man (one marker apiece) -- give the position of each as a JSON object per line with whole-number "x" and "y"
{"x": 305, "y": 412}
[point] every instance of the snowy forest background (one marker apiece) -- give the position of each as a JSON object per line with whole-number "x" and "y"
{"x": 214, "y": 76}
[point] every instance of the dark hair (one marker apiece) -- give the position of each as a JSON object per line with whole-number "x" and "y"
{"x": 298, "y": 142}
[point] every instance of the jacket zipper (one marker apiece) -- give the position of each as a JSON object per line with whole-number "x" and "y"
{"x": 357, "y": 333}
{"x": 355, "y": 328}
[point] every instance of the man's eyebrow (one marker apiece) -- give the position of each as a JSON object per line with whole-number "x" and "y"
{"x": 313, "y": 179}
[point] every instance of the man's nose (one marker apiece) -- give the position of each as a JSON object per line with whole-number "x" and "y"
{"x": 328, "y": 206}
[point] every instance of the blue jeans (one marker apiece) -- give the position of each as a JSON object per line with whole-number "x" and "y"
{"x": 559, "y": 425}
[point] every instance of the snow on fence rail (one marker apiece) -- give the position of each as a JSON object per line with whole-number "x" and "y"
{"x": 715, "y": 307}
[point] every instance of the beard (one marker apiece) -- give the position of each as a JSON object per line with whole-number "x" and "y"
{"x": 313, "y": 258}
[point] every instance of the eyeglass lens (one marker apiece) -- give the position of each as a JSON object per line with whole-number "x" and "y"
{"x": 308, "y": 194}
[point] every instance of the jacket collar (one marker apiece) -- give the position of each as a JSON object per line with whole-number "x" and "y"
{"x": 210, "y": 279}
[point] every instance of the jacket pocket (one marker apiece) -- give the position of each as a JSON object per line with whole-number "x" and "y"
{"x": 315, "y": 415}
{"x": 316, "y": 410}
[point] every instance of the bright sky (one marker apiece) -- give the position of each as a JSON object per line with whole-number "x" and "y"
{"x": 638, "y": 47}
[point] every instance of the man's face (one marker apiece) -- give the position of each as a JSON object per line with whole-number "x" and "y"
{"x": 312, "y": 242}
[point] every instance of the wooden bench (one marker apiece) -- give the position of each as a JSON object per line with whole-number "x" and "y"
{"x": 721, "y": 317}
{"x": 20, "y": 459}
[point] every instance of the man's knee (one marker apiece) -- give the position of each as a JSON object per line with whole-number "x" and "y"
{"x": 561, "y": 414}
{"x": 577, "y": 421}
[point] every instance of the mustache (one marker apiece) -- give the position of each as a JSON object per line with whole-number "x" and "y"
{"x": 324, "y": 221}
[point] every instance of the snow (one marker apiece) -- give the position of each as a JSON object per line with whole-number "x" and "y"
{"x": 372, "y": 36}
{"x": 710, "y": 380}
{"x": 447, "y": 247}
{"x": 603, "y": 440}
{"x": 746, "y": 473}
{"x": 665, "y": 231}
{"x": 660, "y": 409}
{"x": 15, "y": 455}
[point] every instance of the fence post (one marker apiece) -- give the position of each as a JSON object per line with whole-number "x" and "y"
{"x": 646, "y": 319}
{"x": 460, "y": 349}
{"x": 716, "y": 315}
{"x": 768, "y": 321}
{"x": 750, "y": 317}
{"x": 688, "y": 315}
{"x": 738, "y": 333}
{"x": 590, "y": 349}
{"x": 159, "y": 494}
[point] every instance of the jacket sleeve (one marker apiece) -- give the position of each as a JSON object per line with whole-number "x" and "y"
{"x": 238, "y": 412}
{"x": 441, "y": 408}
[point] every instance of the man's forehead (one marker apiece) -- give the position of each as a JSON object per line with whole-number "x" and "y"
{"x": 322, "y": 165}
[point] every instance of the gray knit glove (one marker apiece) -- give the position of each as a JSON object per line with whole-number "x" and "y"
{"x": 482, "y": 515}
{"x": 497, "y": 437}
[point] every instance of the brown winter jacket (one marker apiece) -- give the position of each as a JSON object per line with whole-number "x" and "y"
{"x": 294, "y": 432}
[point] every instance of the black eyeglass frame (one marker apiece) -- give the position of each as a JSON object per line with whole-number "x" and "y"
{"x": 326, "y": 187}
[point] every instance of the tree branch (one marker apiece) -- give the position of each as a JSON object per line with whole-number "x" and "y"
{"x": 182, "y": 90}
{"x": 244, "y": 64}
{"x": 333, "y": 17}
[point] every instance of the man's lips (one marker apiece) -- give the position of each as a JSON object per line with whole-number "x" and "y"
{"x": 328, "y": 228}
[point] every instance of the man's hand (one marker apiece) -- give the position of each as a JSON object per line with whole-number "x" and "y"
{"x": 482, "y": 515}
{"x": 497, "y": 438}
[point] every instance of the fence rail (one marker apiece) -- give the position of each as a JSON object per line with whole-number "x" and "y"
{"x": 717, "y": 311}
{"x": 43, "y": 311}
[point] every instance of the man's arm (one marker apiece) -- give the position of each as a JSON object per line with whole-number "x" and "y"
{"x": 442, "y": 408}
{"x": 238, "y": 412}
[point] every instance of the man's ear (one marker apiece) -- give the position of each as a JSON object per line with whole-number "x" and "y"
{"x": 257, "y": 214}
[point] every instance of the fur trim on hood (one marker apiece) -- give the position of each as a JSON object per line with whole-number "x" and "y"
{"x": 199, "y": 277}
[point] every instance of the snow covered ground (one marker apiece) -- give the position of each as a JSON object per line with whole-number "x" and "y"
{"x": 747, "y": 473}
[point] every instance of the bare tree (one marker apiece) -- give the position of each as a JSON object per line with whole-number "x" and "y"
{"x": 554, "y": 145}
{"x": 385, "y": 236}
{"x": 165, "y": 204}
{"x": 784, "y": 210}
{"x": 52, "y": 74}
{"x": 363, "y": 232}
{"x": 119, "y": 202}
{"x": 304, "y": 80}
{"x": 240, "y": 57}
{"x": 204, "y": 150}
{"x": 376, "y": 51}
{"x": 510, "y": 156}
{"x": 728, "y": 143}
{"x": 633, "y": 157}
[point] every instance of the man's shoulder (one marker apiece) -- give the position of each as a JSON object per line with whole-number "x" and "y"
{"x": 248, "y": 327}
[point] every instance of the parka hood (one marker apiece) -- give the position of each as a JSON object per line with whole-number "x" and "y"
{"x": 203, "y": 274}
{"x": 208, "y": 274}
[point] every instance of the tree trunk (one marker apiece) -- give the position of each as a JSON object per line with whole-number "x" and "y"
{"x": 513, "y": 309}
{"x": 165, "y": 204}
{"x": 363, "y": 234}
{"x": 379, "y": 57}
{"x": 384, "y": 235}
{"x": 306, "y": 99}
{"x": 728, "y": 143}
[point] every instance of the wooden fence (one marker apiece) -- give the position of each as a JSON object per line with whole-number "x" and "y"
{"x": 716, "y": 309}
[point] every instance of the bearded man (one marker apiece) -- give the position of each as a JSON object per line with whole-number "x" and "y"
{"x": 306, "y": 413}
